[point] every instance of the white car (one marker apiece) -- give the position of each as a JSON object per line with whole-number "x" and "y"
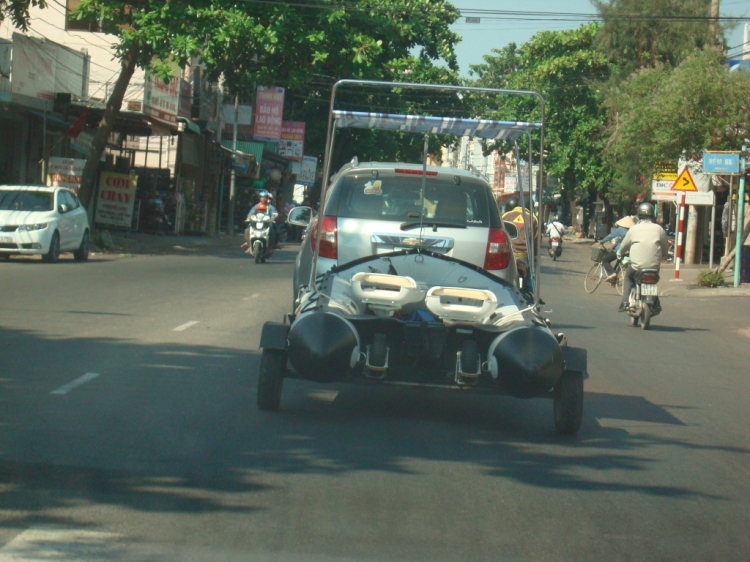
{"x": 44, "y": 221}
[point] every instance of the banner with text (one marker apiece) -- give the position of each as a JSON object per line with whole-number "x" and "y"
{"x": 269, "y": 109}
{"x": 292, "y": 144}
{"x": 65, "y": 172}
{"x": 161, "y": 101}
{"x": 114, "y": 205}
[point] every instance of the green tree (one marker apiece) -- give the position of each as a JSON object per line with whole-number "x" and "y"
{"x": 666, "y": 114}
{"x": 645, "y": 33}
{"x": 275, "y": 43}
{"x": 18, "y": 11}
{"x": 565, "y": 68}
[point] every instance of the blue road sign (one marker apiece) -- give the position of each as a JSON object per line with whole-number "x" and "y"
{"x": 721, "y": 162}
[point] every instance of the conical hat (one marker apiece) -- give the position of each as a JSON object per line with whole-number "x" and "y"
{"x": 625, "y": 222}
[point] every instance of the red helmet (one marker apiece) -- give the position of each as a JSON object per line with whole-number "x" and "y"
{"x": 262, "y": 207}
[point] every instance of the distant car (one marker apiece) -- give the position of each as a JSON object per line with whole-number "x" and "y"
{"x": 374, "y": 208}
{"x": 42, "y": 221}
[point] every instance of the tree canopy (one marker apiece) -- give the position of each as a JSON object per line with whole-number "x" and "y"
{"x": 563, "y": 66}
{"x": 18, "y": 11}
{"x": 302, "y": 47}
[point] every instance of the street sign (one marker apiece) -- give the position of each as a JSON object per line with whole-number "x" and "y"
{"x": 698, "y": 198}
{"x": 721, "y": 162}
{"x": 684, "y": 182}
{"x": 661, "y": 190}
{"x": 665, "y": 170}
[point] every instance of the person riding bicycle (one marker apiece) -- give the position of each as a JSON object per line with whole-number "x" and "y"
{"x": 623, "y": 225}
{"x": 647, "y": 243}
{"x": 520, "y": 217}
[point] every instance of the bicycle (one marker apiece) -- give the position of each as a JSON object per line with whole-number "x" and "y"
{"x": 597, "y": 272}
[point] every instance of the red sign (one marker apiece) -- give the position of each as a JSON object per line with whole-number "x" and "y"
{"x": 292, "y": 143}
{"x": 269, "y": 108}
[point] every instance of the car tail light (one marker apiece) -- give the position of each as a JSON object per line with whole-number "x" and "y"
{"x": 650, "y": 278}
{"x": 414, "y": 172}
{"x": 498, "y": 250}
{"x": 328, "y": 237}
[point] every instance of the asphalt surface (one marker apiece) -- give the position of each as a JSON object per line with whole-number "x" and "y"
{"x": 128, "y": 431}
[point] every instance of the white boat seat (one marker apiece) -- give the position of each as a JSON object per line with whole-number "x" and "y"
{"x": 447, "y": 303}
{"x": 390, "y": 292}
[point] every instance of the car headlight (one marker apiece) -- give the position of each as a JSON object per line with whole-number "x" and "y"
{"x": 27, "y": 227}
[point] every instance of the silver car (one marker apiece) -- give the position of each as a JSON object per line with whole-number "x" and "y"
{"x": 376, "y": 208}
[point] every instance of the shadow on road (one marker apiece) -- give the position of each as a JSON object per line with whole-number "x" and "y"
{"x": 679, "y": 329}
{"x": 177, "y": 430}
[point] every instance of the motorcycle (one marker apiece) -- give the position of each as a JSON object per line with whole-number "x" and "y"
{"x": 643, "y": 303}
{"x": 555, "y": 247}
{"x": 258, "y": 237}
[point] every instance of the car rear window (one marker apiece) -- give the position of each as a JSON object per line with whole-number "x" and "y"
{"x": 18, "y": 200}
{"x": 397, "y": 197}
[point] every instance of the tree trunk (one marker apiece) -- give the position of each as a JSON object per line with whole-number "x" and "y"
{"x": 88, "y": 179}
{"x": 730, "y": 258}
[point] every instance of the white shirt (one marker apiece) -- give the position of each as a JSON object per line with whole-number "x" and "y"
{"x": 555, "y": 228}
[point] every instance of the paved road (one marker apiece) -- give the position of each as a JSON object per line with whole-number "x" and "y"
{"x": 128, "y": 431}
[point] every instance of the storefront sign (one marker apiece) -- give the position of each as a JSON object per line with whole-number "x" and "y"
{"x": 510, "y": 185}
{"x": 269, "y": 109}
{"x": 43, "y": 68}
{"x": 292, "y": 144}
{"x": 665, "y": 170}
{"x": 65, "y": 172}
{"x": 161, "y": 101}
{"x": 721, "y": 162}
{"x": 307, "y": 170}
{"x": 661, "y": 190}
{"x": 114, "y": 205}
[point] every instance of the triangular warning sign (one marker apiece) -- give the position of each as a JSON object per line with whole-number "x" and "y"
{"x": 684, "y": 182}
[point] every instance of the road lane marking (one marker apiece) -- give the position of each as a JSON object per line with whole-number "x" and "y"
{"x": 75, "y": 383}
{"x": 42, "y": 545}
{"x": 255, "y": 295}
{"x": 186, "y": 325}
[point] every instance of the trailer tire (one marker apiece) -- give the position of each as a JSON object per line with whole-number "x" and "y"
{"x": 568, "y": 402}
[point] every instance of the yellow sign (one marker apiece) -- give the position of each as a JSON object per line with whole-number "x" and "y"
{"x": 684, "y": 182}
{"x": 665, "y": 170}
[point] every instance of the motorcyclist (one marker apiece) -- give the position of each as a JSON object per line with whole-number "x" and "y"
{"x": 555, "y": 229}
{"x": 269, "y": 210}
{"x": 647, "y": 243}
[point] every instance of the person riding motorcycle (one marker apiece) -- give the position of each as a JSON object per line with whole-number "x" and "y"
{"x": 269, "y": 210}
{"x": 555, "y": 229}
{"x": 647, "y": 243}
{"x": 520, "y": 217}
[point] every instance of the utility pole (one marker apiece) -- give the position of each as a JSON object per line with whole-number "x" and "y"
{"x": 714, "y": 25}
{"x": 234, "y": 155}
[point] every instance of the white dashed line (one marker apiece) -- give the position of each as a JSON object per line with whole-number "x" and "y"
{"x": 255, "y": 295}
{"x": 75, "y": 383}
{"x": 186, "y": 326}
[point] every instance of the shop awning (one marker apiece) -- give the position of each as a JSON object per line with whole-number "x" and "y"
{"x": 246, "y": 147}
{"x": 192, "y": 127}
{"x": 482, "y": 128}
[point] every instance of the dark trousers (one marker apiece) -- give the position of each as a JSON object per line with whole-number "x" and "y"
{"x": 607, "y": 261}
{"x": 628, "y": 281}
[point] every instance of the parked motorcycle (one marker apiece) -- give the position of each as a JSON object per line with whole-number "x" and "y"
{"x": 258, "y": 236}
{"x": 555, "y": 247}
{"x": 643, "y": 303}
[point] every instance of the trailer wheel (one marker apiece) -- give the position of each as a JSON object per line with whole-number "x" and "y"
{"x": 568, "y": 402}
{"x": 271, "y": 379}
{"x": 378, "y": 350}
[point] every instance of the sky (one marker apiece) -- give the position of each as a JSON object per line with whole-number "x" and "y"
{"x": 479, "y": 39}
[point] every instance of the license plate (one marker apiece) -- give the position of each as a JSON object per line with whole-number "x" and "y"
{"x": 648, "y": 290}
{"x": 555, "y": 243}
{"x": 6, "y": 239}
